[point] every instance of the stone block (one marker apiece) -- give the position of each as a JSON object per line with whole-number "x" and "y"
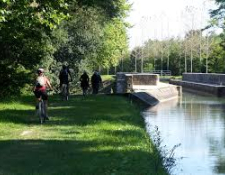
{"x": 145, "y": 79}
{"x": 207, "y": 78}
{"x": 126, "y": 81}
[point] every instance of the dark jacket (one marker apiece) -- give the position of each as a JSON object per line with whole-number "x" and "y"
{"x": 63, "y": 76}
{"x": 84, "y": 79}
{"x": 96, "y": 79}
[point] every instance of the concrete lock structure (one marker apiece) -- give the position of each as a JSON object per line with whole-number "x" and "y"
{"x": 211, "y": 83}
{"x": 146, "y": 87}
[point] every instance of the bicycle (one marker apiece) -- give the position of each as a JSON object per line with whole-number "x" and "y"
{"x": 41, "y": 110}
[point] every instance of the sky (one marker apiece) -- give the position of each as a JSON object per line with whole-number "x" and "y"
{"x": 160, "y": 19}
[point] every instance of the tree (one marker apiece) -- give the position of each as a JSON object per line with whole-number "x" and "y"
{"x": 29, "y": 29}
{"x": 25, "y": 29}
{"x": 114, "y": 44}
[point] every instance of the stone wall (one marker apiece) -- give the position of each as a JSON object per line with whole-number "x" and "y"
{"x": 153, "y": 96}
{"x": 121, "y": 83}
{"x": 208, "y": 78}
{"x": 145, "y": 88}
{"x": 145, "y": 79}
{"x": 125, "y": 81}
{"x": 214, "y": 89}
{"x": 129, "y": 82}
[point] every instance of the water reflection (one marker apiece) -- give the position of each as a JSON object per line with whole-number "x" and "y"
{"x": 198, "y": 123}
{"x": 163, "y": 106}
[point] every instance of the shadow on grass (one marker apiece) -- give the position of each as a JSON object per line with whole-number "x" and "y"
{"x": 76, "y": 111}
{"x": 60, "y": 155}
{"x": 70, "y": 157}
{"x": 16, "y": 116}
{"x": 66, "y": 117}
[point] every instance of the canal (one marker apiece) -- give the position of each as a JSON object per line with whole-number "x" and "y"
{"x": 197, "y": 122}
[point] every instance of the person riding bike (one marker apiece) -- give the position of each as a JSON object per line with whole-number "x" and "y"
{"x": 40, "y": 89}
{"x": 64, "y": 77}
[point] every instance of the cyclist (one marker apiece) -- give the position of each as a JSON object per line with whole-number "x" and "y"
{"x": 64, "y": 78}
{"x": 40, "y": 89}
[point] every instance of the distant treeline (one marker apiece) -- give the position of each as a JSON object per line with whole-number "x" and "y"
{"x": 199, "y": 51}
{"x": 194, "y": 53}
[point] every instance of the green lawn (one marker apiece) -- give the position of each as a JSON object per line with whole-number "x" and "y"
{"x": 108, "y": 77}
{"x": 85, "y": 136}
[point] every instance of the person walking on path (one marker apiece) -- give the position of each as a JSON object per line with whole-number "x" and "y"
{"x": 64, "y": 77}
{"x": 84, "y": 79}
{"x": 96, "y": 80}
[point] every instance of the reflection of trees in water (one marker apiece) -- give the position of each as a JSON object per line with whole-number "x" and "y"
{"x": 202, "y": 119}
{"x": 220, "y": 165}
{"x": 195, "y": 109}
{"x": 217, "y": 149}
{"x": 163, "y": 106}
{"x": 200, "y": 108}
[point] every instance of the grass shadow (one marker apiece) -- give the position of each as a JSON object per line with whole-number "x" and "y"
{"x": 69, "y": 157}
{"x": 77, "y": 111}
{"x": 91, "y": 135}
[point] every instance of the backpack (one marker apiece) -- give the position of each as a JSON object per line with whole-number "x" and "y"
{"x": 40, "y": 81}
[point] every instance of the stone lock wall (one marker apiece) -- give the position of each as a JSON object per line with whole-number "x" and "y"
{"x": 121, "y": 85}
{"x": 125, "y": 81}
{"x": 145, "y": 79}
{"x": 208, "y": 78}
{"x": 211, "y": 83}
{"x": 129, "y": 82}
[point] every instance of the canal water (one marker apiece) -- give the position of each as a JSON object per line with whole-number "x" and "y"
{"x": 197, "y": 122}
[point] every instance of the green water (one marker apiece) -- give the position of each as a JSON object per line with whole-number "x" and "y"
{"x": 198, "y": 123}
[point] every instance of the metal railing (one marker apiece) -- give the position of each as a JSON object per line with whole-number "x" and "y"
{"x": 162, "y": 72}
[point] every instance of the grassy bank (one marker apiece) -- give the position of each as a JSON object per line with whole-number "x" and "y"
{"x": 93, "y": 135}
{"x": 108, "y": 77}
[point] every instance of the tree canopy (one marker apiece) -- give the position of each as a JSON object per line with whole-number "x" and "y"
{"x": 46, "y": 33}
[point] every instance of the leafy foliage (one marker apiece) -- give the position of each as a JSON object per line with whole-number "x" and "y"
{"x": 43, "y": 33}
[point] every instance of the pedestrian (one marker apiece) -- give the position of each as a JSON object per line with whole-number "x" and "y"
{"x": 96, "y": 80}
{"x": 64, "y": 77}
{"x": 84, "y": 79}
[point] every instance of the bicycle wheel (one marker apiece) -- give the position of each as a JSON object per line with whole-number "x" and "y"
{"x": 41, "y": 112}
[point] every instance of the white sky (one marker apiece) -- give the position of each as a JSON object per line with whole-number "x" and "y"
{"x": 157, "y": 19}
